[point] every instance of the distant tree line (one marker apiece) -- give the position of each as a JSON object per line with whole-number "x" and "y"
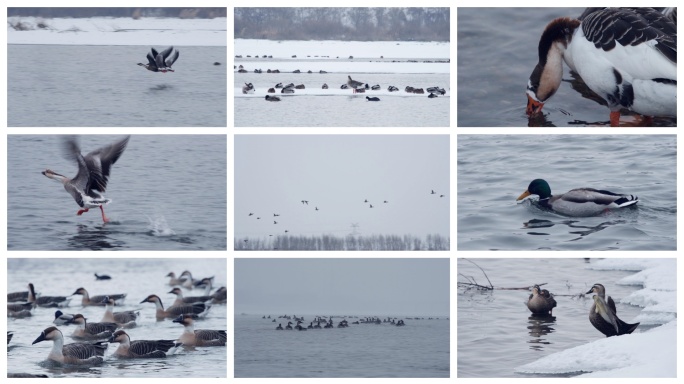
{"x": 348, "y": 243}
{"x": 358, "y": 24}
{"x": 136, "y": 13}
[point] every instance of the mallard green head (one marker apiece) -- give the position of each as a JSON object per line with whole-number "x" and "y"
{"x": 537, "y": 187}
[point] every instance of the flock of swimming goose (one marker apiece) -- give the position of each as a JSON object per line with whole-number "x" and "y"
{"x": 602, "y": 315}
{"x": 93, "y": 337}
{"x": 354, "y": 85}
{"x": 327, "y": 324}
{"x": 627, "y": 56}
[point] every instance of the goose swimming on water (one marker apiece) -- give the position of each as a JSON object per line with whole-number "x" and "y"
{"x": 75, "y": 353}
{"x": 93, "y": 174}
{"x": 140, "y": 348}
{"x": 200, "y": 337}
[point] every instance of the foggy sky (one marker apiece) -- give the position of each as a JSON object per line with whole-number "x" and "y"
{"x": 354, "y": 286}
{"x": 336, "y": 173}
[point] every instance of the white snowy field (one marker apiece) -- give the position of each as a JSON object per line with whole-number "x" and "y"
{"x": 652, "y": 353}
{"x": 119, "y": 31}
{"x": 332, "y": 49}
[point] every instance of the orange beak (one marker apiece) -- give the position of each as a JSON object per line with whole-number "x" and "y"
{"x": 533, "y": 106}
{"x": 524, "y": 195}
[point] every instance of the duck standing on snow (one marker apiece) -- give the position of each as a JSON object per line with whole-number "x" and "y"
{"x": 160, "y": 61}
{"x": 628, "y": 56}
{"x": 577, "y": 202}
{"x": 93, "y": 174}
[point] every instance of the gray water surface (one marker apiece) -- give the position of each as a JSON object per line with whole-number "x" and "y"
{"x": 419, "y": 349}
{"x": 494, "y": 65}
{"x": 85, "y": 86}
{"x": 138, "y": 278}
{"x": 496, "y": 331}
{"x": 493, "y": 170}
{"x": 168, "y": 192}
{"x": 341, "y": 108}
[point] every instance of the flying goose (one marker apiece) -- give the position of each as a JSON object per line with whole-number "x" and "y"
{"x": 93, "y": 174}
{"x": 199, "y": 337}
{"x": 160, "y": 61}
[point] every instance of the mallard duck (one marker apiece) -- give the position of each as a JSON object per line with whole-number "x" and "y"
{"x": 577, "y": 202}
{"x": 603, "y": 315}
{"x": 541, "y": 302}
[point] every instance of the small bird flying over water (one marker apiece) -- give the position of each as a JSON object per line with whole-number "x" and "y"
{"x": 93, "y": 174}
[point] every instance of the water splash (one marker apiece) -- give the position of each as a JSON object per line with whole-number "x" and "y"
{"x": 159, "y": 226}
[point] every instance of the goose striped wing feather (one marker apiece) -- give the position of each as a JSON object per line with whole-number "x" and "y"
{"x": 631, "y": 26}
{"x": 151, "y": 348}
{"x": 210, "y": 337}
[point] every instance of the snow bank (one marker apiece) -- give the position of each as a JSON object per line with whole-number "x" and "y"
{"x": 120, "y": 31}
{"x": 342, "y": 66}
{"x": 342, "y": 49}
{"x": 645, "y": 354}
{"x": 648, "y": 354}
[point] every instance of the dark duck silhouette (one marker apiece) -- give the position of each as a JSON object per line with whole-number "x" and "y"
{"x": 160, "y": 61}
{"x": 603, "y": 315}
{"x": 93, "y": 174}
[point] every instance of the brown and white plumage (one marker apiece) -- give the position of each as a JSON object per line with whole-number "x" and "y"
{"x": 124, "y": 319}
{"x": 46, "y": 301}
{"x": 93, "y": 174}
{"x": 627, "y": 56}
{"x": 180, "y": 299}
{"x": 75, "y": 353}
{"x": 140, "y": 348}
{"x": 197, "y": 309}
{"x": 200, "y": 337}
{"x": 98, "y": 300}
{"x": 91, "y": 331}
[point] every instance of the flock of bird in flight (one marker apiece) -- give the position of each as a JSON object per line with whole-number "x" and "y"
{"x": 306, "y": 202}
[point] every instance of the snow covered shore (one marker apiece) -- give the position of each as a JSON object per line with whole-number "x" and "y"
{"x": 118, "y": 31}
{"x": 652, "y": 353}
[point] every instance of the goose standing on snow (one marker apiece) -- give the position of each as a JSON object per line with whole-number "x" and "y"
{"x": 577, "y": 202}
{"x": 75, "y": 353}
{"x": 93, "y": 174}
{"x": 628, "y": 56}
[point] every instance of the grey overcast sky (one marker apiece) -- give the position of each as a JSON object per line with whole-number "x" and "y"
{"x": 336, "y": 174}
{"x": 353, "y": 286}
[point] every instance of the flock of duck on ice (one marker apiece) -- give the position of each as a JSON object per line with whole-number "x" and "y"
{"x": 93, "y": 336}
